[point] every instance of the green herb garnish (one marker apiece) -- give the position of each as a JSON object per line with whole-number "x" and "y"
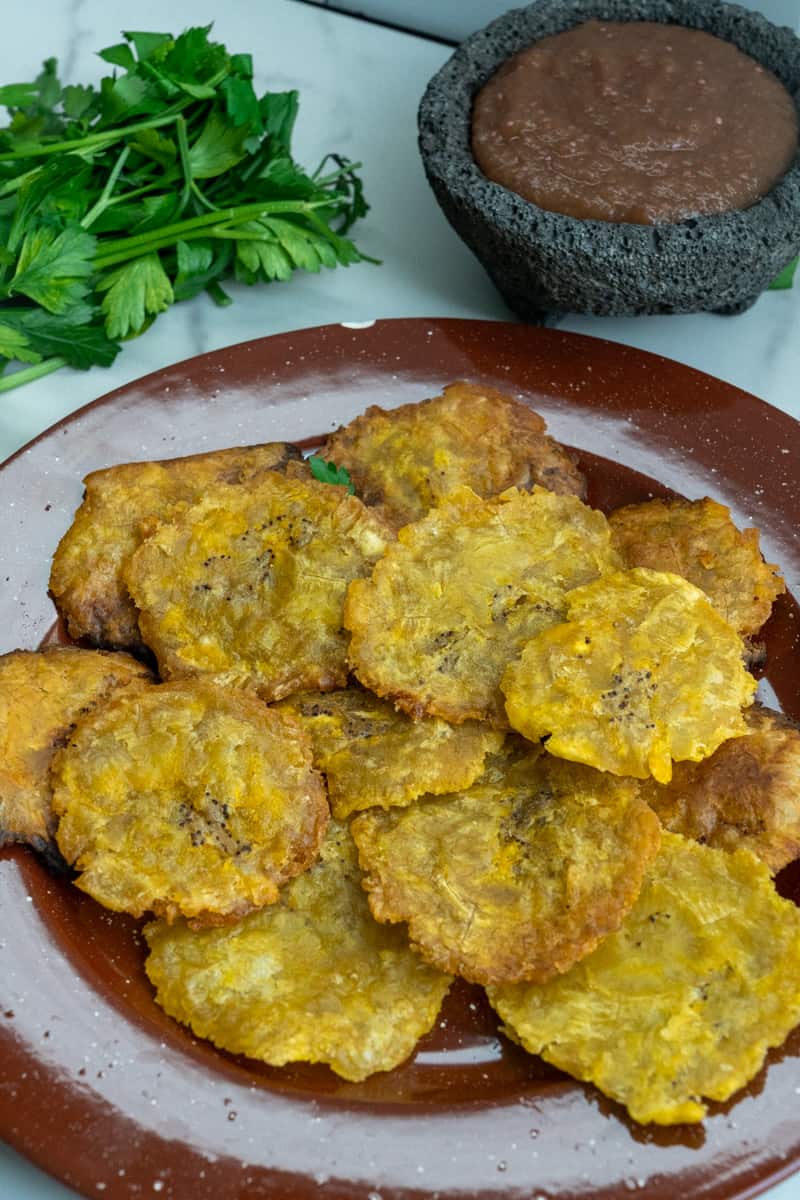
{"x": 169, "y": 178}
{"x": 786, "y": 277}
{"x": 328, "y": 472}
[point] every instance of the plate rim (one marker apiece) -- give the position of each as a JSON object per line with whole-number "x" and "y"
{"x": 441, "y": 323}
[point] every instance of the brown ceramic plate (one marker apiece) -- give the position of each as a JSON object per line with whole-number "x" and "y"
{"x": 100, "y": 1088}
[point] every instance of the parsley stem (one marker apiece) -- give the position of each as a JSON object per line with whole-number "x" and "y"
{"x": 342, "y": 173}
{"x": 218, "y": 294}
{"x": 204, "y": 200}
{"x": 190, "y": 187}
{"x": 95, "y": 140}
{"x": 13, "y": 185}
{"x": 121, "y": 249}
{"x": 27, "y": 374}
{"x": 186, "y": 166}
{"x": 124, "y": 197}
{"x": 105, "y": 196}
{"x": 157, "y": 243}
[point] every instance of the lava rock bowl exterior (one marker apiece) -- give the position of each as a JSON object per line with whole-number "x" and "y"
{"x": 545, "y": 263}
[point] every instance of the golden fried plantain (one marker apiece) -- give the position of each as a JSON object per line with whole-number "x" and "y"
{"x": 406, "y": 459}
{"x": 42, "y": 694}
{"x": 456, "y": 598}
{"x": 746, "y": 794}
{"x": 372, "y": 755}
{"x": 698, "y": 540}
{"x": 186, "y": 799}
{"x": 516, "y": 878}
{"x": 643, "y": 671}
{"x": 684, "y": 1000}
{"x": 247, "y": 586}
{"x": 313, "y": 978}
{"x": 121, "y": 506}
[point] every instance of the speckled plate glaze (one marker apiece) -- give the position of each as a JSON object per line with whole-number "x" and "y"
{"x": 101, "y": 1088}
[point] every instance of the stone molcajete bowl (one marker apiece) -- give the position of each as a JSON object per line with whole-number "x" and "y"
{"x": 544, "y": 262}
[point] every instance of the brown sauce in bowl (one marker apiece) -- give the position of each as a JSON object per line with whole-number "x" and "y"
{"x": 634, "y": 121}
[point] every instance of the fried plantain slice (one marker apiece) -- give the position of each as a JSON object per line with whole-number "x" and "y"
{"x": 406, "y": 459}
{"x": 186, "y": 799}
{"x": 312, "y": 979}
{"x": 374, "y": 756}
{"x": 456, "y": 598}
{"x": 698, "y": 540}
{"x": 42, "y": 694}
{"x": 746, "y": 794}
{"x": 517, "y": 877}
{"x": 121, "y": 506}
{"x": 643, "y": 671}
{"x": 684, "y": 1000}
{"x": 247, "y": 586}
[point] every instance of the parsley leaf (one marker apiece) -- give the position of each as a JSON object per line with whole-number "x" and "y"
{"x": 328, "y": 472}
{"x": 219, "y": 147}
{"x": 77, "y": 101}
{"x": 129, "y": 96}
{"x": 139, "y": 289}
{"x": 72, "y": 337}
{"x": 37, "y": 193}
{"x": 18, "y": 95}
{"x": 14, "y": 344}
{"x": 241, "y": 102}
{"x": 154, "y": 145}
{"x": 148, "y": 45}
{"x": 279, "y": 113}
{"x": 193, "y": 59}
{"x": 119, "y": 55}
{"x": 786, "y": 277}
{"x": 54, "y": 268}
{"x": 48, "y": 85}
{"x": 200, "y": 264}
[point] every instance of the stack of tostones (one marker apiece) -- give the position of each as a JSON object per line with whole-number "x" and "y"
{"x": 746, "y": 794}
{"x": 644, "y": 670}
{"x": 247, "y": 586}
{"x": 684, "y": 1000}
{"x": 313, "y": 978}
{"x": 121, "y": 506}
{"x": 42, "y": 694}
{"x": 532, "y": 862}
{"x": 373, "y": 756}
{"x": 517, "y": 877}
{"x": 455, "y": 599}
{"x": 190, "y": 800}
{"x": 698, "y": 540}
{"x": 408, "y": 459}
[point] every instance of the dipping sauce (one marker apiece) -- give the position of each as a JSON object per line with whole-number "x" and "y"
{"x": 634, "y": 121}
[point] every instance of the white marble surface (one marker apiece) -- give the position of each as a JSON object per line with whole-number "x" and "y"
{"x": 359, "y": 89}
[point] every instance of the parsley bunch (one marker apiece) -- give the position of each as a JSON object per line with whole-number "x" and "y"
{"x": 170, "y": 178}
